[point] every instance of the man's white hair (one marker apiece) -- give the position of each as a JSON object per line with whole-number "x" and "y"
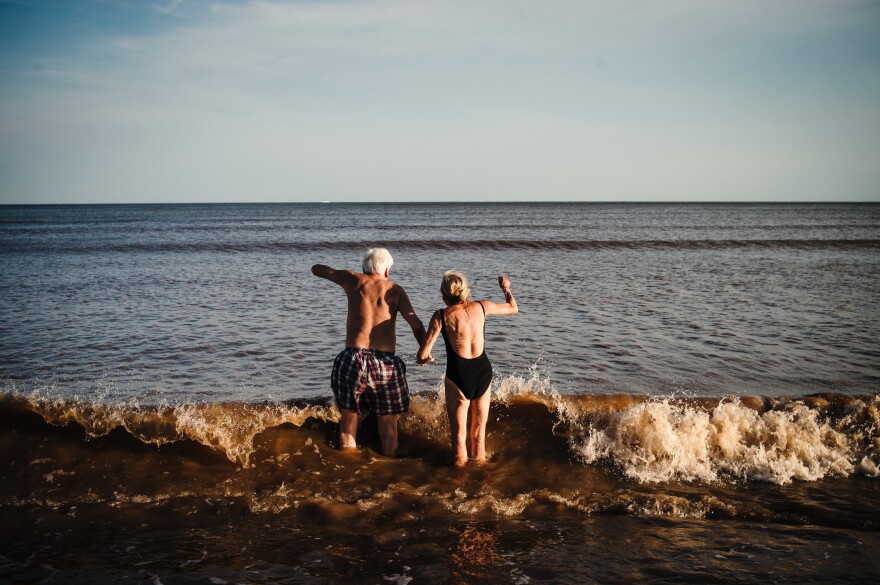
{"x": 377, "y": 261}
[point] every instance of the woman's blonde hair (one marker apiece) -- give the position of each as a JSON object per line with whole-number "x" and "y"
{"x": 455, "y": 287}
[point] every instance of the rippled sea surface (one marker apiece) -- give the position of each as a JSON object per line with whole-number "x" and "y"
{"x": 216, "y": 302}
{"x": 689, "y": 393}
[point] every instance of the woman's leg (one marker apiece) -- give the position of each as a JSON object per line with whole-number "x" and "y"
{"x": 457, "y": 410}
{"x": 479, "y": 417}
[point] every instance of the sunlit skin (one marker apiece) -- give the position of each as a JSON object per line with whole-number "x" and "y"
{"x": 373, "y": 305}
{"x": 464, "y": 326}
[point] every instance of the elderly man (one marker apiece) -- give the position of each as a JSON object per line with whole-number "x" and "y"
{"x": 367, "y": 373}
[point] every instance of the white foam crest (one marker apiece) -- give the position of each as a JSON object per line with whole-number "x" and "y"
{"x": 232, "y": 429}
{"x": 226, "y": 427}
{"x": 660, "y": 441}
{"x": 275, "y": 501}
{"x": 460, "y": 502}
{"x": 869, "y": 467}
{"x": 644, "y": 504}
{"x": 536, "y": 387}
{"x": 69, "y": 500}
{"x": 862, "y": 422}
{"x": 427, "y": 415}
{"x": 663, "y": 506}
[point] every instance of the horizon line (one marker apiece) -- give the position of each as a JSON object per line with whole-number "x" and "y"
{"x": 442, "y": 201}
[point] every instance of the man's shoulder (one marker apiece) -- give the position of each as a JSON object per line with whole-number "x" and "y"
{"x": 393, "y": 293}
{"x": 395, "y": 288}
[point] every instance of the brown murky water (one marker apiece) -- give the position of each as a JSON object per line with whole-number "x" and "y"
{"x": 114, "y": 509}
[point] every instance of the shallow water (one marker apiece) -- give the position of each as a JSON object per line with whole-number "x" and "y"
{"x": 112, "y": 508}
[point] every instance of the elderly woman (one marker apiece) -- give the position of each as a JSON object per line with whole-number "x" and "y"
{"x": 468, "y": 371}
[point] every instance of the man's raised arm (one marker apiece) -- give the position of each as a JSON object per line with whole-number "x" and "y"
{"x": 340, "y": 277}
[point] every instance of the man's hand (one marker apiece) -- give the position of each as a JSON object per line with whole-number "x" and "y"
{"x": 504, "y": 283}
{"x": 426, "y": 361}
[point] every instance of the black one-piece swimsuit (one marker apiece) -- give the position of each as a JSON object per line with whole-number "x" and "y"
{"x": 472, "y": 376}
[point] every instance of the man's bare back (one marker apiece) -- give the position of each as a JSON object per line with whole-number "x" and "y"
{"x": 373, "y": 305}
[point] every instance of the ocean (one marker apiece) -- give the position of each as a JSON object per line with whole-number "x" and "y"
{"x": 690, "y": 393}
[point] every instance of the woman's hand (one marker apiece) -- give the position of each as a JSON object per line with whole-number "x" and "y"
{"x": 507, "y": 308}
{"x": 424, "y": 362}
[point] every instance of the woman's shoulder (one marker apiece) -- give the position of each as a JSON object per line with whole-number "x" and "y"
{"x": 446, "y": 312}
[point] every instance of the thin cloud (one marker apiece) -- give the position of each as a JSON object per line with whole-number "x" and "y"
{"x": 170, "y": 9}
{"x": 389, "y": 99}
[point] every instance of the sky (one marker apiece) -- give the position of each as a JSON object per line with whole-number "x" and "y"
{"x": 109, "y": 101}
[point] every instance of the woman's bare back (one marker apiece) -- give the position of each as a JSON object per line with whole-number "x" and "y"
{"x": 465, "y": 323}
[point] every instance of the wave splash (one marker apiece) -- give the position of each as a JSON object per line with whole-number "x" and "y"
{"x": 661, "y": 441}
{"x": 647, "y": 439}
{"x": 229, "y": 428}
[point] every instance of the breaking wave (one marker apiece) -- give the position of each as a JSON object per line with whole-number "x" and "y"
{"x": 647, "y": 439}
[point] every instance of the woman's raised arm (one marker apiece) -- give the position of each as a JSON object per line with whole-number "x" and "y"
{"x": 507, "y": 308}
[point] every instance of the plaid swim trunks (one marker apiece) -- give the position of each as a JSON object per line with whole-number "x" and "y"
{"x": 374, "y": 379}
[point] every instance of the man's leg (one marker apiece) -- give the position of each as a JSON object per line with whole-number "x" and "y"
{"x": 479, "y": 417}
{"x": 457, "y": 410}
{"x": 345, "y": 382}
{"x": 348, "y": 428}
{"x": 388, "y": 433}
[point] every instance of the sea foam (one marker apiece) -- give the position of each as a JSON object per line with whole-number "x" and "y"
{"x": 663, "y": 440}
